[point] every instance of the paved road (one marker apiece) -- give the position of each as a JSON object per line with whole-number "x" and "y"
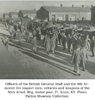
{"x": 10, "y": 68}
{"x": 60, "y": 60}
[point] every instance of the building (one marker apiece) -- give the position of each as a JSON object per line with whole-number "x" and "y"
{"x": 13, "y": 14}
{"x": 27, "y": 13}
{"x": 6, "y": 15}
{"x": 93, "y": 16}
{"x": 64, "y": 13}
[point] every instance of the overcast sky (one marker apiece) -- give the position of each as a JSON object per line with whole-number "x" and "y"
{"x": 9, "y": 6}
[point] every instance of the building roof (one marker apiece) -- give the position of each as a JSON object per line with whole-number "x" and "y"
{"x": 66, "y": 9}
{"x": 28, "y": 11}
{"x": 14, "y": 13}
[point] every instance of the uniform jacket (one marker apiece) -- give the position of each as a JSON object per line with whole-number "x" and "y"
{"x": 92, "y": 43}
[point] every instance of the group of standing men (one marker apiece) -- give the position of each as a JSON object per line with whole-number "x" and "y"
{"x": 19, "y": 30}
{"x": 77, "y": 44}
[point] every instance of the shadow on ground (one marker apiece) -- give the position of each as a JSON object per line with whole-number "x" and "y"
{"x": 90, "y": 67}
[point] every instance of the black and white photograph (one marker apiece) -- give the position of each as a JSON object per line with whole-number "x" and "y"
{"x": 47, "y": 39}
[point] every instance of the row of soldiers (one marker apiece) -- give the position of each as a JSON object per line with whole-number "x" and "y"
{"x": 70, "y": 41}
{"x": 52, "y": 38}
{"x": 78, "y": 43}
{"x": 18, "y": 31}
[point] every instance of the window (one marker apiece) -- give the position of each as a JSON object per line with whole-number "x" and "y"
{"x": 72, "y": 17}
{"x": 60, "y": 17}
{"x": 67, "y": 17}
{"x": 83, "y": 18}
{"x": 53, "y": 17}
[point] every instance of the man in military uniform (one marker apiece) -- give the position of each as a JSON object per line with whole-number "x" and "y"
{"x": 92, "y": 44}
{"x": 59, "y": 37}
{"x": 34, "y": 44}
{"x": 47, "y": 42}
{"x": 83, "y": 54}
{"x": 69, "y": 41}
{"x": 76, "y": 60}
{"x": 63, "y": 37}
{"x": 53, "y": 42}
{"x": 27, "y": 35}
